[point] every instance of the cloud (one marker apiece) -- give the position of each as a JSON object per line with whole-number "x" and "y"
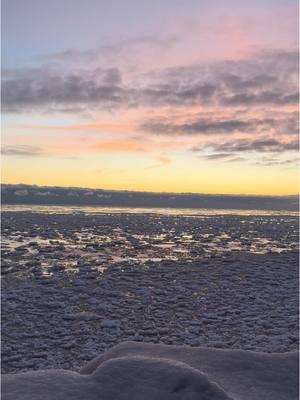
{"x": 271, "y": 162}
{"x": 260, "y": 145}
{"x": 265, "y": 160}
{"x": 212, "y": 125}
{"x": 235, "y": 159}
{"x": 204, "y": 126}
{"x": 22, "y": 151}
{"x": 261, "y": 98}
{"x": 30, "y": 90}
{"x": 216, "y": 156}
{"x": 269, "y": 152}
{"x": 116, "y": 49}
{"x": 265, "y": 78}
{"x": 110, "y": 51}
{"x": 247, "y": 145}
{"x": 243, "y": 105}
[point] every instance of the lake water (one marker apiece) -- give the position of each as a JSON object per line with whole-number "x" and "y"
{"x": 56, "y": 209}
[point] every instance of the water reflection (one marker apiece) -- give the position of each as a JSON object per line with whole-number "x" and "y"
{"x": 51, "y": 209}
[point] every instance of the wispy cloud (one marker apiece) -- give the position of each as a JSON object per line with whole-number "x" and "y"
{"x": 277, "y": 162}
{"x": 28, "y": 151}
{"x": 216, "y": 156}
{"x": 116, "y": 49}
{"x": 207, "y": 126}
{"x": 23, "y": 151}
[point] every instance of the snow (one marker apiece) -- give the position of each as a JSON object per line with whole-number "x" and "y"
{"x": 139, "y": 371}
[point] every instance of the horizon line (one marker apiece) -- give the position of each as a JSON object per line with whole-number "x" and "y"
{"x": 154, "y": 192}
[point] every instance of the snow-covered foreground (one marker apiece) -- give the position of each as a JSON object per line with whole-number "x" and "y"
{"x": 74, "y": 286}
{"x": 136, "y": 371}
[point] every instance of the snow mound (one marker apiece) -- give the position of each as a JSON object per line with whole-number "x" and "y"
{"x": 137, "y": 371}
{"x": 151, "y": 378}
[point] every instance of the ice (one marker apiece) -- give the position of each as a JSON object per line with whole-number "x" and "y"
{"x": 73, "y": 303}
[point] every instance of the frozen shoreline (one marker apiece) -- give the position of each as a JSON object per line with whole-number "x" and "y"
{"x": 58, "y": 313}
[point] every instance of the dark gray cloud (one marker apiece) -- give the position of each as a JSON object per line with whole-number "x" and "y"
{"x": 222, "y": 157}
{"x": 231, "y": 157}
{"x": 208, "y": 126}
{"x": 260, "y": 145}
{"x": 216, "y": 156}
{"x": 235, "y": 159}
{"x": 236, "y": 82}
{"x": 38, "y": 89}
{"x": 245, "y": 145}
{"x": 261, "y": 98}
{"x": 287, "y": 125}
{"x": 269, "y": 152}
{"x": 267, "y": 78}
{"x": 22, "y": 151}
{"x": 173, "y": 94}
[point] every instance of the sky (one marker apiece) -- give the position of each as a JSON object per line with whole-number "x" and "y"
{"x": 169, "y": 96}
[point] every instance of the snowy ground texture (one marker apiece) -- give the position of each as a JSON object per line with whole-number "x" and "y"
{"x": 75, "y": 286}
{"x": 133, "y": 371}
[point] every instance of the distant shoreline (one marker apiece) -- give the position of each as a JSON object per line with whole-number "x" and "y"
{"x": 78, "y": 188}
{"x": 40, "y": 195}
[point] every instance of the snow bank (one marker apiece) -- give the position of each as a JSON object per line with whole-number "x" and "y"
{"x": 138, "y": 371}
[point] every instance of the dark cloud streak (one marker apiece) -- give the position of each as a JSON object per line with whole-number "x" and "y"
{"x": 243, "y": 145}
{"x": 287, "y": 125}
{"x": 22, "y": 151}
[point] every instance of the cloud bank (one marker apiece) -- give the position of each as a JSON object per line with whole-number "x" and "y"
{"x": 266, "y": 78}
